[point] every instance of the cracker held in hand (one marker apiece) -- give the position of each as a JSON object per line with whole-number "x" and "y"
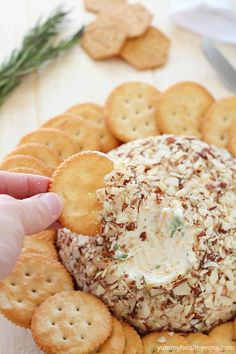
{"x": 133, "y": 342}
{"x": 224, "y": 335}
{"x": 131, "y": 111}
{"x": 55, "y": 139}
{"x": 100, "y": 5}
{"x": 94, "y": 113}
{"x": 147, "y": 52}
{"x": 181, "y": 108}
{"x": 33, "y": 280}
{"x": 77, "y": 181}
{"x": 155, "y": 342}
{"x": 16, "y": 161}
{"x": 116, "y": 342}
{"x": 104, "y": 38}
{"x": 71, "y": 322}
{"x": 47, "y": 235}
{"x": 216, "y": 125}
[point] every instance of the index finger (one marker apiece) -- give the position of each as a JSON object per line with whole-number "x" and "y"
{"x": 20, "y": 186}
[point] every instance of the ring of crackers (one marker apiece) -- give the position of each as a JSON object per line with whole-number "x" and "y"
{"x": 94, "y": 113}
{"x": 85, "y": 172}
{"x": 133, "y": 342}
{"x": 131, "y": 111}
{"x": 72, "y": 321}
{"x": 84, "y": 133}
{"x": 33, "y": 280}
{"x": 15, "y": 161}
{"x": 147, "y": 52}
{"x": 181, "y": 108}
{"x": 55, "y": 139}
{"x": 216, "y": 124}
{"x": 40, "y": 152}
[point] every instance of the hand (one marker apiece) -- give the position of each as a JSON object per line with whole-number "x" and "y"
{"x": 25, "y": 208}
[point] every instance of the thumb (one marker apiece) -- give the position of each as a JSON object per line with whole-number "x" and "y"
{"x": 39, "y": 212}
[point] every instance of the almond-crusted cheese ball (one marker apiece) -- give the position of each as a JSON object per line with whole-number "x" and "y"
{"x": 167, "y": 256}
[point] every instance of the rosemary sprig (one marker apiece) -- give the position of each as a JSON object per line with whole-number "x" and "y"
{"x": 38, "y": 46}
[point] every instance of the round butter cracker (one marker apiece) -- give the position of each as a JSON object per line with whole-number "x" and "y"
{"x": 95, "y": 113}
{"x": 131, "y": 111}
{"x": 71, "y": 322}
{"x": 40, "y": 152}
{"x": 104, "y": 38}
{"x": 115, "y": 344}
{"x": 181, "y": 108}
{"x": 55, "y": 139}
{"x": 85, "y": 134}
{"x": 224, "y": 335}
{"x": 133, "y": 342}
{"x": 76, "y": 181}
{"x": 17, "y": 161}
{"x": 147, "y": 52}
{"x": 26, "y": 170}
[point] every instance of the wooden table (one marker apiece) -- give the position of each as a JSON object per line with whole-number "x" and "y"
{"x": 76, "y": 78}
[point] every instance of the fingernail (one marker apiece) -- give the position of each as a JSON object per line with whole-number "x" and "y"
{"x": 54, "y": 202}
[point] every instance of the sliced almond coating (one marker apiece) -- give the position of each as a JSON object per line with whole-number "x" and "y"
{"x": 95, "y": 113}
{"x": 77, "y": 181}
{"x": 33, "y": 280}
{"x": 57, "y": 140}
{"x": 71, "y": 322}
{"x": 25, "y": 161}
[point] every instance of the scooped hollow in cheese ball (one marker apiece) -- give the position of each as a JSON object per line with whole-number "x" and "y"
{"x": 166, "y": 258}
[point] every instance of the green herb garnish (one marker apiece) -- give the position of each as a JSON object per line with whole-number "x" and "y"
{"x": 39, "y": 45}
{"x": 157, "y": 266}
{"x": 116, "y": 246}
{"x": 121, "y": 256}
{"x": 175, "y": 225}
